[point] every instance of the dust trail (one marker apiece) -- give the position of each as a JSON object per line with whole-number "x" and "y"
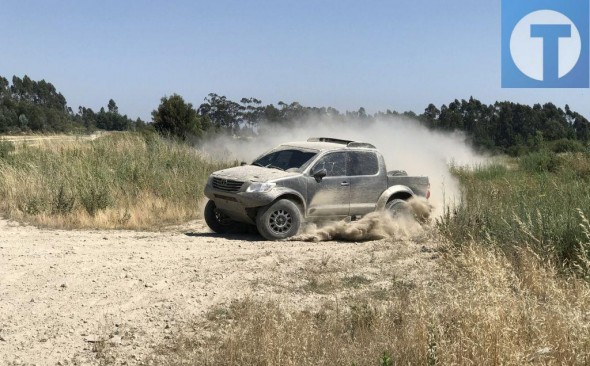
{"x": 404, "y": 142}
{"x": 374, "y": 226}
{"x": 421, "y": 208}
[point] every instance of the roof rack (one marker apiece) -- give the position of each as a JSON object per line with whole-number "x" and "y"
{"x": 361, "y": 144}
{"x": 329, "y": 139}
{"x": 348, "y": 143}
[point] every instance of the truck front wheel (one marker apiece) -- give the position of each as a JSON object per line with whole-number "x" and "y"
{"x": 220, "y": 222}
{"x": 279, "y": 220}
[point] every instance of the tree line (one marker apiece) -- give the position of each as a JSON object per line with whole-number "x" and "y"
{"x": 36, "y": 106}
{"x": 500, "y": 127}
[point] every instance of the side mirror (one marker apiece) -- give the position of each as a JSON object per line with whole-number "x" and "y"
{"x": 318, "y": 175}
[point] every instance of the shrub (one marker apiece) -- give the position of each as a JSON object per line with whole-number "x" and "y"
{"x": 538, "y": 162}
{"x": 95, "y": 199}
{"x": 6, "y": 148}
{"x": 566, "y": 145}
{"x": 63, "y": 202}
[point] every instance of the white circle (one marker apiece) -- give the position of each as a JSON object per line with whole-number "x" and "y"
{"x": 527, "y": 51}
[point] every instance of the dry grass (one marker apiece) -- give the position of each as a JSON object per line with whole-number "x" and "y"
{"x": 117, "y": 181}
{"x": 490, "y": 310}
{"x": 538, "y": 202}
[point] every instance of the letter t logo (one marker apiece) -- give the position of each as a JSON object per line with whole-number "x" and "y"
{"x": 551, "y": 33}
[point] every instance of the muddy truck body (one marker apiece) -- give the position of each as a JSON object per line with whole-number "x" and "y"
{"x": 297, "y": 182}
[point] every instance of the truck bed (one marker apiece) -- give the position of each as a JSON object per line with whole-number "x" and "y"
{"x": 419, "y": 185}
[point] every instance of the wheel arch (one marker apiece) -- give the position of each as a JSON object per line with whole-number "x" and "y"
{"x": 296, "y": 198}
{"x": 292, "y": 196}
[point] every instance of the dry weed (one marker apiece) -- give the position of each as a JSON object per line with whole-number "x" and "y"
{"x": 491, "y": 310}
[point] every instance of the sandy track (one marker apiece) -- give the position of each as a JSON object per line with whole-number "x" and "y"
{"x": 60, "y": 290}
{"x": 37, "y": 140}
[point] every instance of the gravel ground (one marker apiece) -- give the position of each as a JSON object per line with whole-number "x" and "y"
{"x": 65, "y": 294}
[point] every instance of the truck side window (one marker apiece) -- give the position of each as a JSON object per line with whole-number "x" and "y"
{"x": 334, "y": 163}
{"x": 362, "y": 163}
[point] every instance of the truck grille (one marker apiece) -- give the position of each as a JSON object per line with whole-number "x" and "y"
{"x": 227, "y": 185}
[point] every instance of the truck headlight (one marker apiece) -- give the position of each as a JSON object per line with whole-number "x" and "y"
{"x": 260, "y": 187}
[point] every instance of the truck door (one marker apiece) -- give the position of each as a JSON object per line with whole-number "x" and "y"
{"x": 366, "y": 180}
{"x": 330, "y": 196}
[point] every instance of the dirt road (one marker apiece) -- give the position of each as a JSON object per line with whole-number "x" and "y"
{"x": 62, "y": 291}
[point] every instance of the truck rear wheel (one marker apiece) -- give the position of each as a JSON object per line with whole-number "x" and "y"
{"x": 399, "y": 207}
{"x": 279, "y": 220}
{"x": 220, "y": 222}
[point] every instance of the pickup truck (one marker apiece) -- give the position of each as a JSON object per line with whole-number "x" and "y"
{"x": 319, "y": 179}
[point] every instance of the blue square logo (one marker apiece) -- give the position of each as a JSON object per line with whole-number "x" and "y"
{"x": 545, "y": 43}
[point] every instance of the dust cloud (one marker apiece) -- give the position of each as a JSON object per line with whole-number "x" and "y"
{"x": 374, "y": 226}
{"x": 404, "y": 143}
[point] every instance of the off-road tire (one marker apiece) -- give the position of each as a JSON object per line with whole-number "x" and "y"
{"x": 399, "y": 207}
{"x": 279, "y": 220}
{"x": 219, "y": 222}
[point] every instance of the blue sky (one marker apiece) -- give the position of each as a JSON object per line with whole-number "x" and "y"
{"x": 381, "y": 55}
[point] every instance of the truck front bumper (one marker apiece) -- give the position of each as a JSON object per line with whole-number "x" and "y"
{"x": 239, "y": 206}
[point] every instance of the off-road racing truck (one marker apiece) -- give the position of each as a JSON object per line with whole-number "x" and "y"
{"x": 320, "y": 179}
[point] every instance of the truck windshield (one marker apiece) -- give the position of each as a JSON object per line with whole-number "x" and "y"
{"x": 285, "y": 159}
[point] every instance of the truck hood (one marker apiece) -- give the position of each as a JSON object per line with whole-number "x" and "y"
{"x": 253, "y": 173}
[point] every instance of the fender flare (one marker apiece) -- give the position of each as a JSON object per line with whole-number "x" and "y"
{"x": 391, "y": 191}
{"x": 283, "y": 191}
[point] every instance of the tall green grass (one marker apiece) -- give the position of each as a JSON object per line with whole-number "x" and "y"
{"x": 117, "y": 181}
{"x": 539, "y": 200}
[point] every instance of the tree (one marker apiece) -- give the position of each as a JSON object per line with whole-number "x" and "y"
{"x": 87, "y": 116}
{"x": 431, "y": 114}
{"x": 222, "y": 112}
{"x": 110, "y": 120}
{"x": 176, "y": 117}
{"x": 252, "y": 112}
{"x": 23, "y": 121}
{"x": 271, "y": 113}
{"x": 3, "y": 87}
{"x": 102, "y": 120}
{"x": 362, "y": 113}
{"x": 112, "y": 106}
{"x": 582, "y": 127}
{"x": 17, "y": 87}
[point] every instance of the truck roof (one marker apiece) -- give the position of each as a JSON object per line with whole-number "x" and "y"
{"x": 328, "y": 143}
